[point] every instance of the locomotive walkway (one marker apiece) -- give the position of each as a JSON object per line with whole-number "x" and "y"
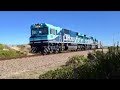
{"x": 32, "y": 67}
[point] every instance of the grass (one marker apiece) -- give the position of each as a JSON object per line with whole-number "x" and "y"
{"x": 8, "y": 54}
{"x": 97, "y": 65}
{"x": 1, "y": 46}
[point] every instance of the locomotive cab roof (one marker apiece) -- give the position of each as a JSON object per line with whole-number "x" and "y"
{"x": 45, "y": 24}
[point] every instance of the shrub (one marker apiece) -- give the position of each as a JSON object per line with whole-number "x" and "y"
{"x": 63, "y": 73}
{"x": 1, "y": 46}
{"x": 10, "y": 54}
{"x": 66, "y": 72}
{"x": 76, "y": 60}
{"x": 105, "y": 66}
{"x": 91, "y": 56}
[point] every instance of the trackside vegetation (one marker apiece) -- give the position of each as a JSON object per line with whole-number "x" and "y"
{"x": 7, "y": 53}
{"x": 97, "y": 65}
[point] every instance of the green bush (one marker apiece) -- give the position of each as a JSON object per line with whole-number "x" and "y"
{"x": 10, "y": 54}
{"x": 91, "y": 56}
{"x": 106, "y": 64}
{"x": 99, "y": 65}
{"x": 76, "y": 60}
{"x": 63, "y": 73}
{"x": 66, "y": 72}
{"x": 1, "y": 46}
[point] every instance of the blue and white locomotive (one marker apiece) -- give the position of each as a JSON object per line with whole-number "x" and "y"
{"x": 46, "y": 38}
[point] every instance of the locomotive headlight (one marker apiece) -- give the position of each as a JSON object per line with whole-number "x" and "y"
{"x": 37, "y": 26}
{"x": 40, "y": 31}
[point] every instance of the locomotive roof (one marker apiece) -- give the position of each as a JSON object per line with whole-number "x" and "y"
{"x": 55, "y": 27}
{"x": 51, "y": 26}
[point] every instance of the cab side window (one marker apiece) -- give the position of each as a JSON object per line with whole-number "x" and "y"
{"x": 53, "y": 31}
{"x": 56, "y": 32}
{"x": 66, "y": 31}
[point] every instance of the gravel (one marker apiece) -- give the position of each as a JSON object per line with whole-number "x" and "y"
{"x": 32, "y": 67}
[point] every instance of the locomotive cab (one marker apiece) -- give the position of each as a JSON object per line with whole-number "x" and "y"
{"x": 44, "y": 37}
{"x": 39, "y": 33}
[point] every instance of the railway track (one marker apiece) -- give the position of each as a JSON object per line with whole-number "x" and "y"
{"x": 38, "y": 54}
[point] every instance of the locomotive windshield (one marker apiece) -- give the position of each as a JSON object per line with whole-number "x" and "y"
{"x": 39, "y": 31}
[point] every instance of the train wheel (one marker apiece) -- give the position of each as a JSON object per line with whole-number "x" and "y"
{"x": 55, "y": 51}
{"x": 43, "y": 51}
{"x": 33, "y": 50}
{"x": 46, "y": 50}
{"x": 51, "y": 51}
{"x": 60, "y": 49}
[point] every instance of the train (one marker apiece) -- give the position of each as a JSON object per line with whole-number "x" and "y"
{"x": 47, "y": 38}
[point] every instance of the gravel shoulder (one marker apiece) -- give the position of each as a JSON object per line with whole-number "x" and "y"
{"x": 32, "y": 67}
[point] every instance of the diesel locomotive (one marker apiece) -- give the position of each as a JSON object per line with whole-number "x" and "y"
{"x": 46, "y": 38}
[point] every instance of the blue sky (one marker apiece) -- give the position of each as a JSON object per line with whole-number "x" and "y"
{"x": 15, "y": 25}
